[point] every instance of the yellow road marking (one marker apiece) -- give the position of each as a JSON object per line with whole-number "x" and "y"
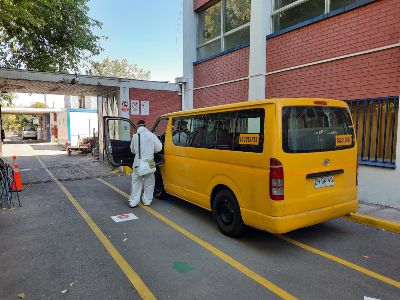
{"x": 143, "y": 291}
{"x": 234, "y": 263}
{"x": 341, "y": 261}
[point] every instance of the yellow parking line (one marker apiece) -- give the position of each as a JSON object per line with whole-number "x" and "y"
{"x": 143, "y": 291}
{"x": 234, "y": 263}
{"x": 341, "y": 261}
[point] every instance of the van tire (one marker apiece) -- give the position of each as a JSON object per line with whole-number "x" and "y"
{"x": 159, "y": 190}
{"x": 226, "y": 212}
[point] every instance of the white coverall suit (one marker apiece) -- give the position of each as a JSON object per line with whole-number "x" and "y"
{"x": 149, "y": 144}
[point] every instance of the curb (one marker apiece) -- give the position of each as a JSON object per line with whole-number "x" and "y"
{"x": 374, "y": 222}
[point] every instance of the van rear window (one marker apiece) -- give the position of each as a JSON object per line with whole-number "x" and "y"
{"x": 316, "y": 129}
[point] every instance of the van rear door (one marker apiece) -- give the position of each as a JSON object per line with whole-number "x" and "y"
{"x": 318, "y": 154}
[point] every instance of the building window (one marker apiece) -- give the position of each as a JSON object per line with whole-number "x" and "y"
{"x": 223, "y": 26}
{"x": 287, "y": 13}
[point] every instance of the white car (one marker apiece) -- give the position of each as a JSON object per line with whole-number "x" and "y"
{"x": 29, "y": 132}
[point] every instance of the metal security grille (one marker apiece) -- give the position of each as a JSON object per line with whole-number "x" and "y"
{"x": 376, "y": 122}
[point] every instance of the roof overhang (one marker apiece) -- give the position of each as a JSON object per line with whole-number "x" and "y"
{"x": 25, "y": 81}
{"x": 28, "y": 110}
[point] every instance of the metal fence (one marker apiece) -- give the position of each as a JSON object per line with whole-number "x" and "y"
{"x": 376, "y": 122}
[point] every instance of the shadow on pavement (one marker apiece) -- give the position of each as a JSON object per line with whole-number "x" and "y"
{"x": 46, "y": 147}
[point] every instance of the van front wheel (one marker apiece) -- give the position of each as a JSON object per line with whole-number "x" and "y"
{"x": 226, "y": 211}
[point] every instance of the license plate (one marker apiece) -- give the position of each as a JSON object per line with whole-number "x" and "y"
{"x": 321, "y": 182}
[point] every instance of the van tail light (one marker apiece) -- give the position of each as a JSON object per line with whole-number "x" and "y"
{"x": 276, "y": 183}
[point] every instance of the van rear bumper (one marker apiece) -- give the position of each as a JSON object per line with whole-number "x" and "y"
{"x": 292, "y": 222}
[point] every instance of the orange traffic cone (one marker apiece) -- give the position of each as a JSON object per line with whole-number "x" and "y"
{"x": 17, "y": 183}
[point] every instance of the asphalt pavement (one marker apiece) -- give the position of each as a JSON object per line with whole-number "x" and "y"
{"x": 62, "y": 242}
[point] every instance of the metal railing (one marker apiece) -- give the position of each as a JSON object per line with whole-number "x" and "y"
{"x": 376, "y": 123}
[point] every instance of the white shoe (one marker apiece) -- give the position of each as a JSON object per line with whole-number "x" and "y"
{"x": 131, "y": 205}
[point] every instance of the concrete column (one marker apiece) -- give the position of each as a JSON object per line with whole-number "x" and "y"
{"x": 67, "y": 101}
{"x": 189, "y": 52}
{"x": 260, "y": 27}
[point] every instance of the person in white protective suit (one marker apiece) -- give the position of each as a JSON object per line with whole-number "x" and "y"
{"x": 149, "y": 144}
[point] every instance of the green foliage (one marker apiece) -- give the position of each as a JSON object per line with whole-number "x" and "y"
{"x": 16, "y": 122}
{"x": 39, "y": 105}
{"x": 6, "y": 99}
{"x": 47, "y": 35}
{"x": 118, "y": 68}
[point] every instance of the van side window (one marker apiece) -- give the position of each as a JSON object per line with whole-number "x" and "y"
{"x": 220, "y": 130}
{"x": 241, "y": 130}
{"x": 249, "y": 133}
{"x": 181, "y": 131}
{"x": 198, "y": 131}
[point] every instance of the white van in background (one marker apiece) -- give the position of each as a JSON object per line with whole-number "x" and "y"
{"x": 29, "y": 132}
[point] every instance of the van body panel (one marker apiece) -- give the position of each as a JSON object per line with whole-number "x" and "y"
{"x": 192, "y": 171}
{"x": 291, "y": 222}
{"x": 300, "y": 192}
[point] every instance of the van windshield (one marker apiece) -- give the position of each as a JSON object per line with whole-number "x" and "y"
{"x": 316, "y": 129}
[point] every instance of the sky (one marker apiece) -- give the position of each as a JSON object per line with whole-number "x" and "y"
{"x": 145, "y": 32}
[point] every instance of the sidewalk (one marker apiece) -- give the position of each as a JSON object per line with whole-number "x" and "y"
{"x": 379, "y": 216}
{"x": 383, "y": 212}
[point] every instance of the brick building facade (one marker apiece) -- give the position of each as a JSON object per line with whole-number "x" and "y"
{"x": 160, "y": 102}
{"x": 347, "y": 50}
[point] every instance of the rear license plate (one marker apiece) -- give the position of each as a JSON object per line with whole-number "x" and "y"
{"x": 321, "y": 182}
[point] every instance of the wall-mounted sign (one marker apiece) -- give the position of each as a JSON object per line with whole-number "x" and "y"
{"x": 135, "y": 110}
{"x": 145, "y": 108}
{"x": 124, "y": 108}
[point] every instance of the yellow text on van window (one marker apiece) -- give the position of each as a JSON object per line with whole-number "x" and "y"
{"x": 249, "y": 139}
{"x": 343, "y": 140}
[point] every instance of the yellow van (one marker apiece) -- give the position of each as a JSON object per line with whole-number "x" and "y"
{"x": 276, "y": 165}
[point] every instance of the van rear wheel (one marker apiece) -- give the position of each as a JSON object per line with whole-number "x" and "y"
{"x": 226, "y": 212}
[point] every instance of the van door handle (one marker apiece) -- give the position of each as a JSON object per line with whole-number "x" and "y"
{"x": 325, "y": 173}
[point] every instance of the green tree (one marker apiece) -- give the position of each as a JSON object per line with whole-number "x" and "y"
{"x": 47, "y": 35}
{"x": 16, "y": 122}
{"x": 6, "y": 99}
{"x": 118, "y": 68}
{"x": 39, "y": 105}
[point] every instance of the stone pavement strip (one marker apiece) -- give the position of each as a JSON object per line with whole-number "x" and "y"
{"x": 383, "y": 217}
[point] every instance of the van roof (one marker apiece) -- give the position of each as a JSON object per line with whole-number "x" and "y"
{"x": 291, "y": 101}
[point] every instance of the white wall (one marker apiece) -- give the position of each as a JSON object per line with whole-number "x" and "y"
{"x": 82, "y": 124}
{"x": 381, "y": 186}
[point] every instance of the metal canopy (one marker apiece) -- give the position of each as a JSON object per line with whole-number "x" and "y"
{"x": 24, "y": 81}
